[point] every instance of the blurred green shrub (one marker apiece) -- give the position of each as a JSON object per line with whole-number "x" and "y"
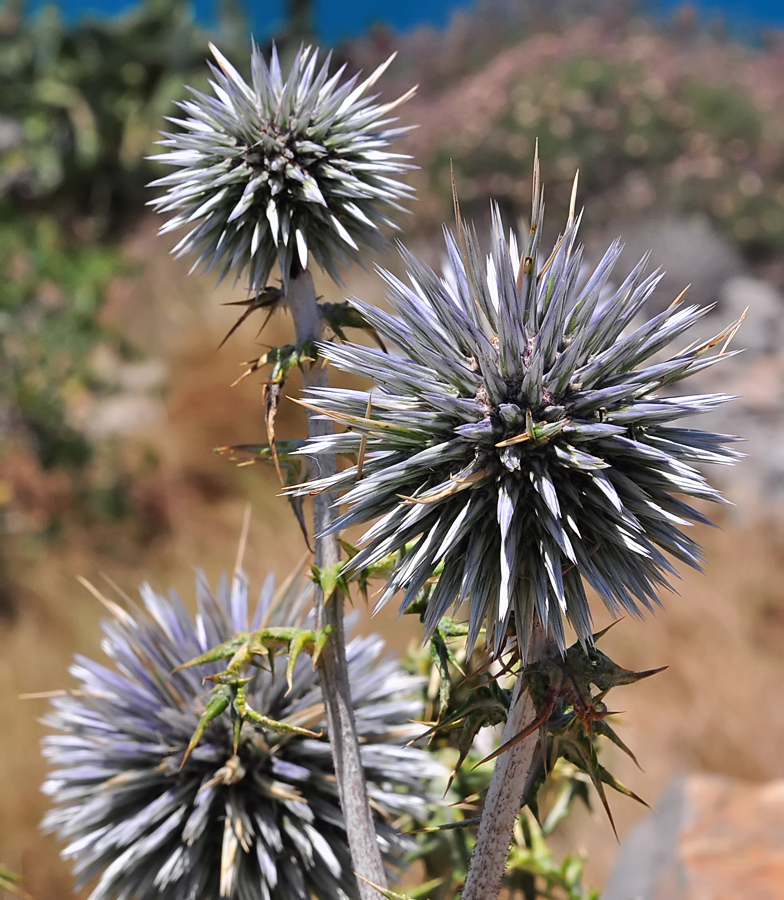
{"x": 50, "y": 293}
{"x": 532, "y": 872}
{"x": 81, "y": 105}
{"x": 641, "y": 141}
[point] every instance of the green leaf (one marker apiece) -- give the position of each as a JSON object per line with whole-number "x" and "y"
{"x": 330, "y": 579}
{"x": 343, "y": 315}
{"x": 421, "y": 891}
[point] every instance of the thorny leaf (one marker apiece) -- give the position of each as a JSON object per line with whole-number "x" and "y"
{"x": 603, "y": 729}
{"x": 489, "y": 701}
{"x": 421, "y": 891}
{"x": 580, "y": 750}
{"x": 249, "y": 454}
{"x": 385, "y": 892}
{"x": 268, "y": 299}
{"x": 241, "y": 711}
{"x": 216, "y": 705}
{"x": 448, "y": 826}
{"x": 330, "y": 579}
{"x": 247, "y": 649}
{"x": 242, "y": 649}
{"x": 343, "y": 315}
{"x": 448, "y": 841}
{"x": 439, "y": 656}
{"x": 570, "y": 717}
{"x": 486, "y": 706}
{"x": 442, "y": 656}
{"x": 381, "y": 570}
{"x": 292, "y": 469}
{"x": 361, "y": 576}
{"x": 272, "y": 394}
{"x": 418, "y": 893}
{"x": 281, "y": 361}
{"x": 299, "y": 514}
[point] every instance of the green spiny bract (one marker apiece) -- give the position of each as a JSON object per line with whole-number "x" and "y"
{"x": 520, "y": 444}
{"x": 281, "y": 168}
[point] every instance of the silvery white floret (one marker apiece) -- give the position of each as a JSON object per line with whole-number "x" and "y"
{"x": 265, "y": 824}
{"x": 281, "y": 169}
{"x": 521, "y": 440}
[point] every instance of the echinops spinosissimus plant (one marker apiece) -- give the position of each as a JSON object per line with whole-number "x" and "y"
{"x": 280, "y": 170}
{"x": 518, "y": 448}
{"x": 262, "y": 821}
{"x": 520, "y": 445}
{"x": 520, "y": 440}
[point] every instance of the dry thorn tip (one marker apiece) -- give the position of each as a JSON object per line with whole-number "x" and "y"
{"x": 680, "y": 297}
{"x": 734, "y": 331}
{"x": 573, "y": 200}
{"x": 113, "y": 607}
{"x": 243, "y": 540}
{"x": 363, "y": 440}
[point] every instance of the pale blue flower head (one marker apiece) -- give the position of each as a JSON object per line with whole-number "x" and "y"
{"x": 265, "y": 824}
{"x": 522, "y": 442}
{"x": 282, "y": 168}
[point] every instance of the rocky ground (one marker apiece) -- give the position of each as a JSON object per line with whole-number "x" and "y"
{"x": 710, "y": 837}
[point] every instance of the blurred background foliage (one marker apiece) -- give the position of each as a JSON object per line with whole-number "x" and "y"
{"x": 644, "y": 139}
{"x": 81, "y": 105}
{"x": 112, "y": 395}
{"x": 49, "y": 300}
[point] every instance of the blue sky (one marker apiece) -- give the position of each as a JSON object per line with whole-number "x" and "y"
{"x": 340, "y": 18}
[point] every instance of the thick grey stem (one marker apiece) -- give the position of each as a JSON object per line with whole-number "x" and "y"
{"x": 333, "y": 668}
{"x": 504, "y": 795}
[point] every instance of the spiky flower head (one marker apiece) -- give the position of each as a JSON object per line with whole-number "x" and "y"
{"x": 522, "y": 440}
{"x": 281, "y": 168}
{"x": 264, "y": 824}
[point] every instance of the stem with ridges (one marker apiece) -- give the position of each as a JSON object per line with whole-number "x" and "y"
{"x": 505, "y": 793}
{"x": 333, "y": 668}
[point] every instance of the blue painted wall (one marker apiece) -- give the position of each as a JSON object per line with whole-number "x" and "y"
{"x": 763, "y": 13}
{"x": 340, "y": 18}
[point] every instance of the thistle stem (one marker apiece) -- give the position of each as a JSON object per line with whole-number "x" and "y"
{"x": 505, "y": 793}
{"x": 332, "y": 667}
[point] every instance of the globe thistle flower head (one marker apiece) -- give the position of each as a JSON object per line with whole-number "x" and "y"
{"x": 265, "y": 823}
{"x": 523, "y": 440}
{"x": 281, "y": 169}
